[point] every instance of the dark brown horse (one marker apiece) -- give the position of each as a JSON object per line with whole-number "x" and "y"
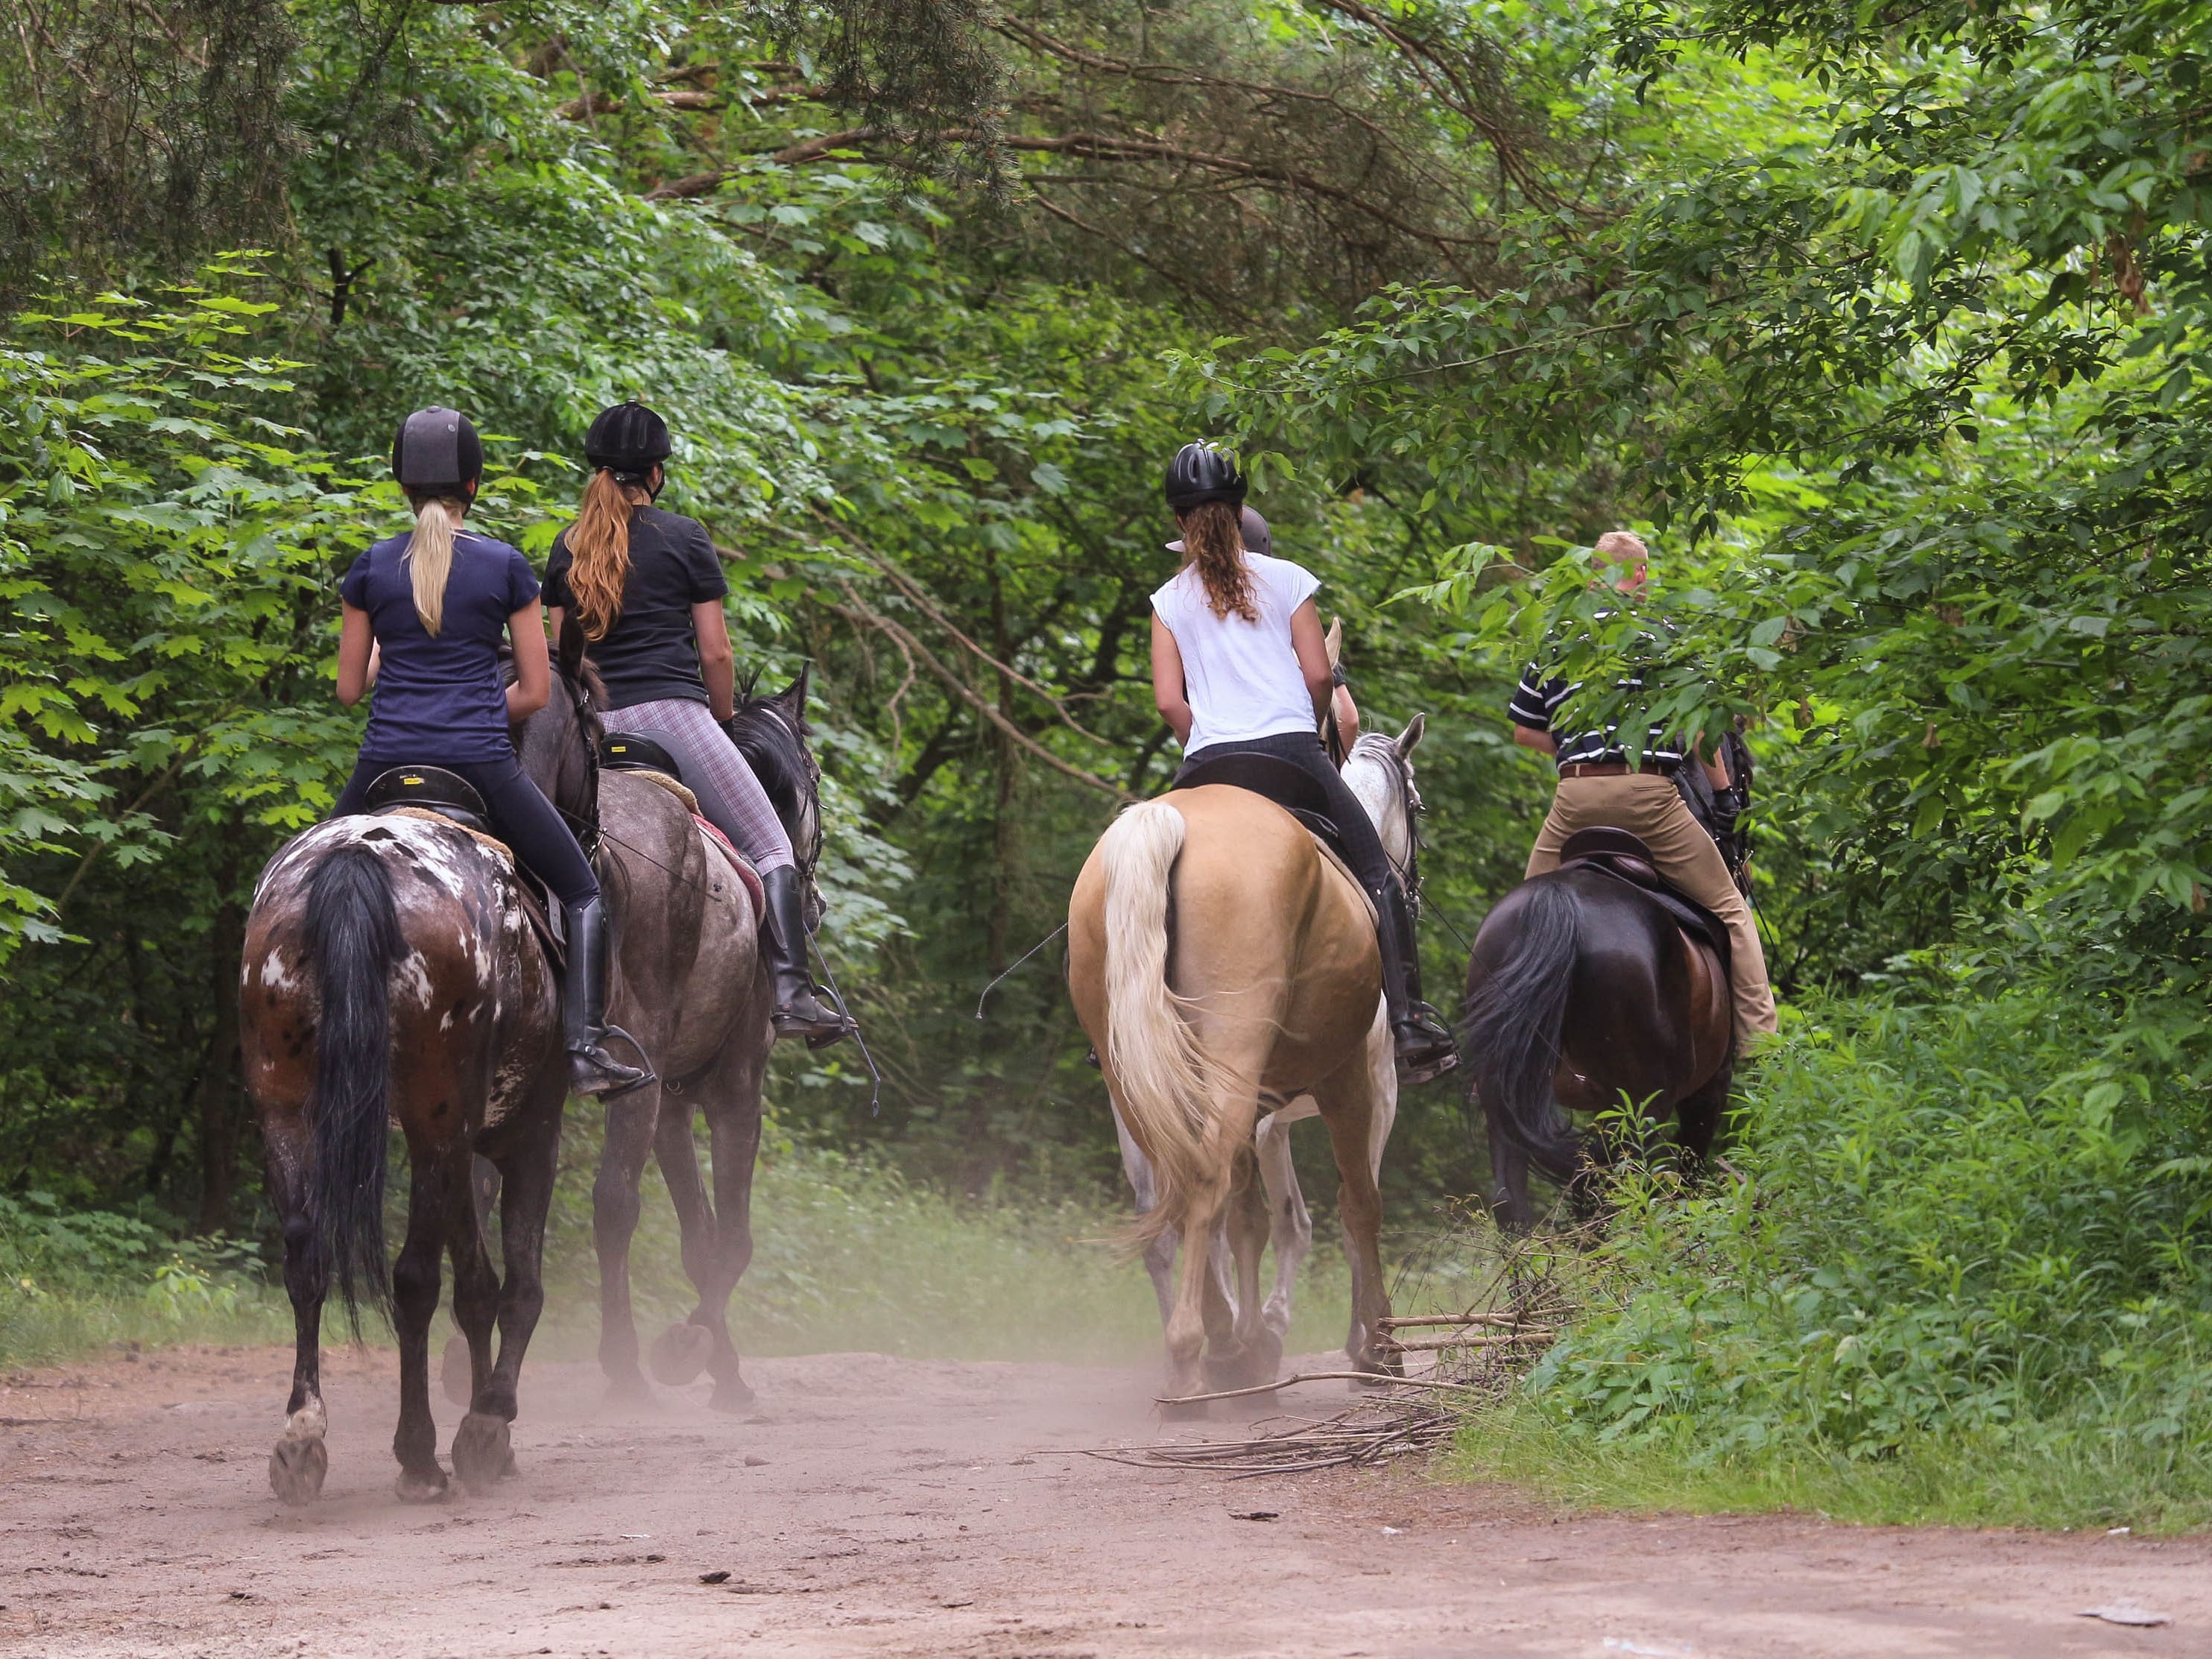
{"x": 391, "y": 975}
{"x": 694, "y": 986}
{"x": 1584, "y": 992}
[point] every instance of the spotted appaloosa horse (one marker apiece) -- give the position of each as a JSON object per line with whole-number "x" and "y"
{"x": 1380, "y": 772}
{"x": 390, "y": 975}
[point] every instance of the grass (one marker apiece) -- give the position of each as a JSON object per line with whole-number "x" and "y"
{"x": 2084, "y": 1481}
{"x": 847, "y": 1256}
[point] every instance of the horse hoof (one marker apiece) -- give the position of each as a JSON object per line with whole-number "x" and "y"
{"x": 732, "y": 1395}
{"x": 679, "y": 1355}
{"x": 296, "y": 1469}
{"x": 630, "y": 1392}
{"x": 1181, "y": 1411}
{"x": 482, "y": 1452}
{"x": 427, "y": 1487}
{"x": 456, "y": 1372}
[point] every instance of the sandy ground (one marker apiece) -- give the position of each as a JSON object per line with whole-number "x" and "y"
{"x": 878, "y": 1506}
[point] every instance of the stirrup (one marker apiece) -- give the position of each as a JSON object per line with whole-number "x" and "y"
{"x": 1430, "y": 1053}
{"x": 595, "y": 1054}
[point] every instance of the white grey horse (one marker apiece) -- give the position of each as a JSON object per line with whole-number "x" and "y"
{"x": 1380, "y": 772}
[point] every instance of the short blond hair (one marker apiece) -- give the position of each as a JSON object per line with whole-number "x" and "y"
{"x": 1619, "y": 544}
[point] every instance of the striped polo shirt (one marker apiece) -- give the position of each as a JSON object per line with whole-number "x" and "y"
{"x": 1539, "y": 702}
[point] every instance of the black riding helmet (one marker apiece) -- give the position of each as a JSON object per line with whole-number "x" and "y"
{"x": 628, "y": 440}
{"x": 1201, "y": 473}
{"x": 436, "y": 452}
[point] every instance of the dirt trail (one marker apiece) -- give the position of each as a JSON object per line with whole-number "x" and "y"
{"x": 878, "y": 1506}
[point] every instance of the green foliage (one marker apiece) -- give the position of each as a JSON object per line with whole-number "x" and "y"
{"x": 1975, "y": 1224}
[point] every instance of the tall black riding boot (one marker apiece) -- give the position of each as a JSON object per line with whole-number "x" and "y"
{"x": 799, "y": 1010}
{"x": 1423, "y": 1042}
{"x": 592, "y": 1070}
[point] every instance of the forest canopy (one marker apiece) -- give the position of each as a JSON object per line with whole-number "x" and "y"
{"x": 1885, "y": 326}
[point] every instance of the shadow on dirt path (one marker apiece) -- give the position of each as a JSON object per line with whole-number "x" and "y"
{"x": 880, "y": 1506}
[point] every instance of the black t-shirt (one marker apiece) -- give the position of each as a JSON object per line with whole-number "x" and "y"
{"x": 650, "y": 654}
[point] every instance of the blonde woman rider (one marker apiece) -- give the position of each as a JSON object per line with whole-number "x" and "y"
{"x": 432, "y": 607}
{"x": 648, "y": 587}
{"x": 1239, "y": 664}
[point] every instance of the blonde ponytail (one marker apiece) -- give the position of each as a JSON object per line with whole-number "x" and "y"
{"x": 599, "y": 550}
{"x": 430, "y": 558}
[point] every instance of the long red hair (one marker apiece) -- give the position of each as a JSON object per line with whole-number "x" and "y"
{"x": 599, "y": 550}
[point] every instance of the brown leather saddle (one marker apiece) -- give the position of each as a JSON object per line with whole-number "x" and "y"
{"x": 1622, "y": 854}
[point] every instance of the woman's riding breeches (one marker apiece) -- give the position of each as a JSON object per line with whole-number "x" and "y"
{"x": 730, "y": 797}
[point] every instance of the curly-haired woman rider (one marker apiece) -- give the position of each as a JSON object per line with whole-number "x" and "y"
{"x": 647, "y": 588}
{"x": 1239, "y": 663}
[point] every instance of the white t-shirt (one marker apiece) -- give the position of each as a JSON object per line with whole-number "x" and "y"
{"x": 1243, "y": 678}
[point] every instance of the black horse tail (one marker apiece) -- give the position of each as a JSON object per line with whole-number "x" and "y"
{"x": 1512, "y": 1023}
{"x": 354, "y": 938}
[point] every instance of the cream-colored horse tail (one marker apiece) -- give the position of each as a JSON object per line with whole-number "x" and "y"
{"x": 1163, "y": 1081}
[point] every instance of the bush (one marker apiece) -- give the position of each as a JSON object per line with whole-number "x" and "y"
{"x": 1966, "y": 1234}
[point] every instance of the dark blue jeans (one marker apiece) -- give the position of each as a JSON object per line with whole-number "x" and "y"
{"x": 520, "y": 816}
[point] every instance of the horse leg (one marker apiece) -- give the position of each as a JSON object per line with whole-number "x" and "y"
{"x": 615, "y": 1205}
{"x": 301, "y": 1459}
{"x": 461, "y": 1370}
{"x": 1160, "y": 1253}
{"x": 528, "y": 1160}
{"x": 416, "y": 1279}
{"x": 1252, "y": 1359}
{"x": 1348, "y": 1107}
{"x": 680, "y": 1353}
{"x": 476, "y": 1309}
{"x": 1698, "y": 1114}
{"x": 1290, "y": 1223}
{"x": 733, "y": 1127}
{"x": 1510, "y": 1204}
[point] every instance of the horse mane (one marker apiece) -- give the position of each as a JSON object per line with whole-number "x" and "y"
{"x": 772, "y": 736}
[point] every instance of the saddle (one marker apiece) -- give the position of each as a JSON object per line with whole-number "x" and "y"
{"x": 623, "y": 752}
{"x": 448, "y": 794}
{"x": 1622, "y": 854}
{"x": 1291, "y": 787}
{"x": 421, "y": 790}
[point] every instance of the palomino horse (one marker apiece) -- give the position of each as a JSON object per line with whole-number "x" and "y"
{"x": 391, "y": 974}
{"x": 1584, "y": 992}
{"x": 695, "y": 987}
{"x": 1256, "y": 979}
{"x": 1380, "y": 772}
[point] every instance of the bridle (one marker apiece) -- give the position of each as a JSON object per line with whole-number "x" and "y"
{"x": 1410, "y": 803}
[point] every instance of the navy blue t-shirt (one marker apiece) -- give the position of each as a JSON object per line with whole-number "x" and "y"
{"x": 439, "y": 701}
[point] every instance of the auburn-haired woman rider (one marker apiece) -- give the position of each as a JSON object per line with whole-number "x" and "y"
{"x": 647, "y": 588}
{"x": 425, "y": 615}
{"x": 1239, "y": 664}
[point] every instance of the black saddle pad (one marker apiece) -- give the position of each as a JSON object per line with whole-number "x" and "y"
{"x": 432, "y": 788}
{"x": 1622, "y": 854}
{"x": 1287, "y": 784}
{"x": 622, "y": 751}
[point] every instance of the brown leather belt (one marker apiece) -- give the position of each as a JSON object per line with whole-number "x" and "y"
{"x": 1608, "y": 769}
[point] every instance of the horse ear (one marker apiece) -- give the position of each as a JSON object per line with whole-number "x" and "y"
{"x": 1335, "y": 640}
{"x": 572, "y": 645}
{"x": 793, "y": 696}
{"x": 1410, "y": 739}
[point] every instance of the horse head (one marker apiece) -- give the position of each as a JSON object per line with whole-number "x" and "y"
{"x": 559, "y": 745}
{"x": 771, "y": 732}
{"x": 1380, "y": 772}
